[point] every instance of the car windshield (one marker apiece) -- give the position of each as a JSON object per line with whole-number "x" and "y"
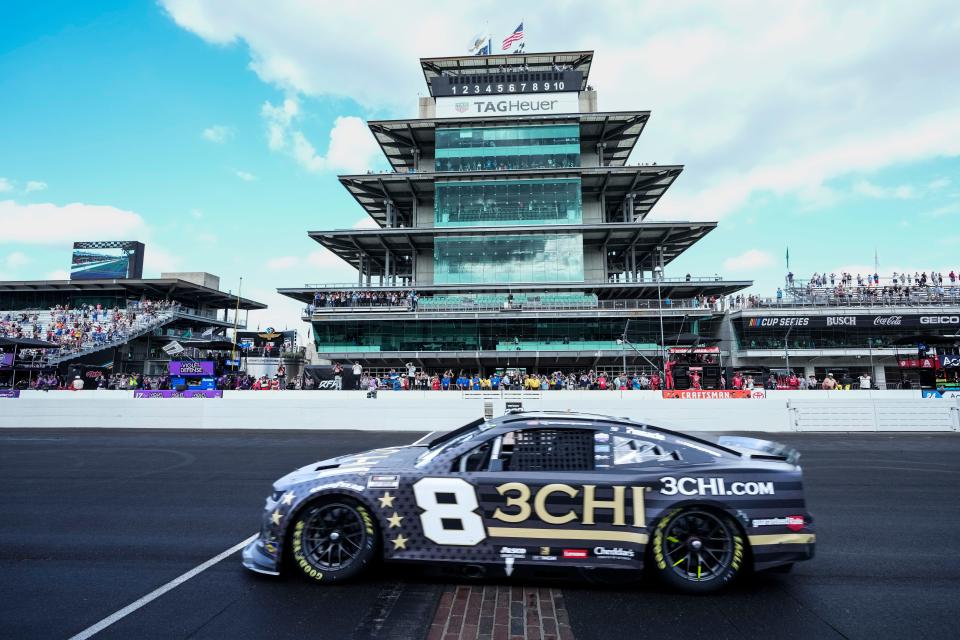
{"x": 453, "y": 439}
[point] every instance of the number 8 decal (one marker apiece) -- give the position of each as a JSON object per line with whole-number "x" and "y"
{"x": 449, "y": 522}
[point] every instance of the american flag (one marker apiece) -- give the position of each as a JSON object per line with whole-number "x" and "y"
{"x": 516, "y": 36}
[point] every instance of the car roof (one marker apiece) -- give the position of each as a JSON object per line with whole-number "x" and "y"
{"x": 518, "y": 415}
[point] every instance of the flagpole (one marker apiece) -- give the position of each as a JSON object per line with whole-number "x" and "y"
{"x": 236, "y": 317}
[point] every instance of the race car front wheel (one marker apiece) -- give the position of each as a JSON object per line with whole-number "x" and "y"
{"x": 697, "y": 550}
{"x": 333, "y": 541}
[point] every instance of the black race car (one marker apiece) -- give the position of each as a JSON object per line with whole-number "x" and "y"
{"x": 545, "y": 489}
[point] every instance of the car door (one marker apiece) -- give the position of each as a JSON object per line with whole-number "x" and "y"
{"x": 552, "y": 493}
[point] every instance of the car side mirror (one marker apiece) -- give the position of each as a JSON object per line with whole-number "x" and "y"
{"x": 496, "y": 465}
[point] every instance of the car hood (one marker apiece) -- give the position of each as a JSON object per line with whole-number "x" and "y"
{"x": 372, "y": 461}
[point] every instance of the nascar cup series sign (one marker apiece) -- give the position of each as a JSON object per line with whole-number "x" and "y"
{"x": 482, "y": 106}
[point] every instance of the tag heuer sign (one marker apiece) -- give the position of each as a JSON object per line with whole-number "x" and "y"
{"x": 484, "y": 106}
{"x": 173, "y": 348}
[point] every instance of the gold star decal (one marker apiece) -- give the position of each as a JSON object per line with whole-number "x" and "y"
{"x": 275, "y": 516}
{"x": 399, "y": 543}
{"x": 386, "y": 500}
{"x": 394, "y": 520}
{"x": 287, "y": 498}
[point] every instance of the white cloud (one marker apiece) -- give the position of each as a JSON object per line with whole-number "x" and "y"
{"x": 871, "y": 190}
{"x": 366, "y": 222}
{"x": 244, "y": 175}
{"x": 749, "y": 260}
{"x": 351, "y": 147}
{"x": 16, "y": 259}
{"x": 217, "y": 133}
{"x": 945, "y": 210}
{"x": 157, "y": 259}
{"x": 938, "y": 183}
{"x": 282, "y": 262}
{"x": 196, "y": 214}
{"x": 58, "y": 274}
{"x": 34, "y": 185}
{"x": 47, "y": 223}
{"x": 753, "y": 96}
{"x": 5, "y": 185}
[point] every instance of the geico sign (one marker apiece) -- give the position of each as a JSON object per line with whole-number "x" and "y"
{"x": 939, "y": 319}
{"x": 888, "y": 321}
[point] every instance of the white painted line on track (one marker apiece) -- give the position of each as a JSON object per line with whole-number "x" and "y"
{"x": 156, "y": 593}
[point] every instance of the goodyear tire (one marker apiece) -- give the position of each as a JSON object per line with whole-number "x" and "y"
{"x": 697, "y": 550}
{"x": 333, "y": 540}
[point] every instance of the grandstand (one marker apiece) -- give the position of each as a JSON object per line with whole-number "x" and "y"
{"x": 513, "y": 240}
{"x": 876, "y": 329}
{"x": 119, "y": 324}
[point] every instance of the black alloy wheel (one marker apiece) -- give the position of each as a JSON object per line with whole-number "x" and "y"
{"x": 333, "y": 541}
{"x": 697, "y": 550}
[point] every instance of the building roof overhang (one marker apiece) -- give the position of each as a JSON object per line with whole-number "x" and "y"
{"x": 160, "y": 288}
{"x": 405, "y": 191}
{"x": 618, "y": 131}
{"x": 644, "y": 238}
{"x": 668, "y": 289}
{"x": 534, "y": 62}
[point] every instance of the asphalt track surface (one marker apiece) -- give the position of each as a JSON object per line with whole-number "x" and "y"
{"x": 95, "y": 519}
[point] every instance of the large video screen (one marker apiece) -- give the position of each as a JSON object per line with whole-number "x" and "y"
{"x": 111, "y": 260}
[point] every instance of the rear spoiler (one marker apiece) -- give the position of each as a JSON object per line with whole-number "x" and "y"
{"x": 765, "y": 449}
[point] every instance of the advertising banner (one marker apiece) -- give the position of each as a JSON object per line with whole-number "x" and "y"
{"x": 189, "y": 368}
{"x": 515, "y": 105}
{"x": 9, "y": 393}
{"x": 170, "y": 393}
{"x": 6, "y": 360}
{"x": 924, "y": 321}
{"x": 698, "y": 350}
{"x": 918, "y": 363}
{"x": 949, "y": 361}
{"x": 712, "y": 394}
{"x": 952, "y": 394}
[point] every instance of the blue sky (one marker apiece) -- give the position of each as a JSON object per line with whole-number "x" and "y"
{"x": 213, "y": 131}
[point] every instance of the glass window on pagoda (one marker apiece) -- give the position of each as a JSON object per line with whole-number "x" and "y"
{"x": 508, "y": 148}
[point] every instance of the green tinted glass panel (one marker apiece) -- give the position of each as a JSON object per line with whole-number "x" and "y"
{"x": 513, "y": 258}
{"x": 504, "y": 202}
{"x": 503, "y": 148}
{"x": 491, "y": 334}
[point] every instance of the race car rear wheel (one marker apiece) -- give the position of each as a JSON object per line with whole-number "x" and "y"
{"x": 697, "y": 550}
{"x": 333, "y": 541}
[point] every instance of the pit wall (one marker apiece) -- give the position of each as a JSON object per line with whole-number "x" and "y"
{"x": 780, "y": 411}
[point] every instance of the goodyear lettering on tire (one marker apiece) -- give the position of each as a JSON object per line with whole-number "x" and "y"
{"x": 298, "y": 553}
{"x": 367, "y": 520}
{"x": 737, "y": 552}
{"x": 658, "y": 539}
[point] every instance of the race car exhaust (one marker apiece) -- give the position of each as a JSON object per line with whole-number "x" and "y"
{"x": 473, "y": 571}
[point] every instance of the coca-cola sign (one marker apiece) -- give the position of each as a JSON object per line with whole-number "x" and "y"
{"x": 888, "y": 321}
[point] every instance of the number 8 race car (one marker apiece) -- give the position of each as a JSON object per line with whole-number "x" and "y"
{"x": 539, "y": 489}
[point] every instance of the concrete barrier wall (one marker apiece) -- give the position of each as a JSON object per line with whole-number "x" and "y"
{"x": 428, "y": 411}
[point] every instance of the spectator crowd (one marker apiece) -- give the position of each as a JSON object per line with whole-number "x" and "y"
{"x": 76, "y": 328}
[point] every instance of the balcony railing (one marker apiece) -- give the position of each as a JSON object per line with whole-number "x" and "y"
{"x": 599, "y": 305}
{"x": 353, "y": 286}
{"x": 863, "y": 297}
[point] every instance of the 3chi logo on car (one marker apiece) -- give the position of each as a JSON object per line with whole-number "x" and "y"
{"x": 713, "y": 487}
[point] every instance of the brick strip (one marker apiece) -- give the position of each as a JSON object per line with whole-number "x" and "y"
{"x": 497, "y": 612}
